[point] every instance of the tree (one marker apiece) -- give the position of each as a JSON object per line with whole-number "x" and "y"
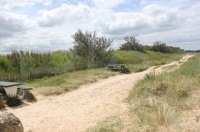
{"x": 90, "y": 48}
{"x": 159, "y": 46}
{"x": 131, "y": 44}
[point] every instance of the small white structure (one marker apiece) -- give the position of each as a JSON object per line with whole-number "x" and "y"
{"x": 10, "y": 87}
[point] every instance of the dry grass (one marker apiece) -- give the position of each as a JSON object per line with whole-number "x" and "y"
{"x": 158, "y": 101}
{"x": 112, "y": 124}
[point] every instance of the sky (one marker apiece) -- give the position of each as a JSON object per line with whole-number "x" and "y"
{"x": 48, "y": 25}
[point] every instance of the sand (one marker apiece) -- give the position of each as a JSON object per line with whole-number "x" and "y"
{"x": 83, "y": 108}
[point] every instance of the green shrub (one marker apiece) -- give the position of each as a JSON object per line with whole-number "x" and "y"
{"x": 13, "y": 101}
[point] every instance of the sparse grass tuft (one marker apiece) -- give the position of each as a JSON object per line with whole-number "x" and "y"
{"x": 112, "y": 124}
{"x": 150, "y": 76}
{"x": 161, "y": 89}
{"x": 150, "y": 115}
{"x": 30, "y": 97}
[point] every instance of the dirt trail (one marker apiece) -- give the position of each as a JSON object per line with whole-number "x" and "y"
{"x": 83, "y": 108}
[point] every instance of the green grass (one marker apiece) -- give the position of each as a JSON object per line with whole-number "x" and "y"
{"x": 159, "y": 100}
{"x": 139, "y": 61}
{"x": 69, "y": 81}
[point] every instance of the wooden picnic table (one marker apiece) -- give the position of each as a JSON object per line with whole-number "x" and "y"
{"x": 118, "y": 67}
{"x": 11, "y": 89}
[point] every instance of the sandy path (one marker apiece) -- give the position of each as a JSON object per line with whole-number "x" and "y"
{"x": 83, "y": 108}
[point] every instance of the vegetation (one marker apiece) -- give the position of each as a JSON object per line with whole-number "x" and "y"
{"x": 159, "y": 46}
{"x": 159, "y": 100}
{"x": 89, "y": 49}
{"x": 13, "y": 101}
{"x": 28, "y": 96}
{"x": 59, "y": 62}
{"x": 25, "y": 65}
{"x": 131, "y": 45}
{"x": 69, "y": 81}
{"x": 139, "y": 61}
{"x": 72, "y": 80}
{"x": 112, "y": 124}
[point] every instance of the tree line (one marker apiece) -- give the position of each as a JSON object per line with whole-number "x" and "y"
{"x": 132, "y": 44}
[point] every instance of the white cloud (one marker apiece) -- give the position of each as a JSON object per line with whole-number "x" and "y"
{"x": 151, "y": 19}
{"x": 64, "y": 13}
{"x": 184, "y": 32}
{"x": 108, "y": 4}
{"x": 11, "y": 24}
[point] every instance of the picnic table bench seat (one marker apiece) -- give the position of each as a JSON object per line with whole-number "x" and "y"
{"x": 25, "y": 91}
{"x": 24, "y": 88}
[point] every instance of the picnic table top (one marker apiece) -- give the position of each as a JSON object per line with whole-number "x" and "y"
{"x": 116, "y": 64}
{"x": 24, "y": 88}
{"x": 8, "y": 84}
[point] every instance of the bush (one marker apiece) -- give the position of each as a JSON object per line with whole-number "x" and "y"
{"x": 30, "y": 97}
{"x": 159, "y": 46}
{"x": 131, "y": 45}
{"x": 13, "y": 101}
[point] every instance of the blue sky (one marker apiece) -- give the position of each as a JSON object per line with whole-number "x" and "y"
{"x": 44, "y": 25}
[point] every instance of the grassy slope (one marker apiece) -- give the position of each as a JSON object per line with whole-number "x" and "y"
{"x": 136, "y": 61}
{"x": 159, "y": 100}
{"x": 68, "y": 81}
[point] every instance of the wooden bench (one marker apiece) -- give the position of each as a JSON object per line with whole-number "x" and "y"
{"x": 25, "y": 91}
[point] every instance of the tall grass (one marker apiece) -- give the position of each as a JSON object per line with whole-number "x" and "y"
{"x": 24, "y": 65}
{"x": 159, "y": 100}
